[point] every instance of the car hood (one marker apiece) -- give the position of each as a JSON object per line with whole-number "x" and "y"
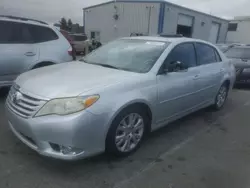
{"x": 70, "y": 79}
{"x": 240, "y": 63}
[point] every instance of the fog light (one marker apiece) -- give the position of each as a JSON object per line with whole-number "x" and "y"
{"x": 68, "y": 150}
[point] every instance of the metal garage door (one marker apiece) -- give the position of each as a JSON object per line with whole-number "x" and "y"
{"x": 185, "y": 20}
{"x": 214, "y": 32}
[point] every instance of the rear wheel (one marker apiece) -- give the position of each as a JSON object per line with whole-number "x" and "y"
{"x": 221, "y": 97}
{"x": 127, "y": 131}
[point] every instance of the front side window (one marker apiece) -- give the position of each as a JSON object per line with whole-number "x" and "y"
{"x": 131, "y": 55}
{"x": 183, "y": 53}
{"x": 205, "y": 54}
{"x": 238, "y": 53}
{"x": 10, "y": 33}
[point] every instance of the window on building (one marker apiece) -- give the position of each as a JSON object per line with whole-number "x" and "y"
{"x": 206, "y": 54}
{"x": 232, "y": 27}
{"x": 95, "y": 35}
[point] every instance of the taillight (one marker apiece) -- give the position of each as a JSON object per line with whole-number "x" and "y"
{"x": 70, "y": 51}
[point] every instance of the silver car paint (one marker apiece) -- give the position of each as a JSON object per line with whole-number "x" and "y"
{"x": 169, "y": 97}
{"x": 18, "y": 58}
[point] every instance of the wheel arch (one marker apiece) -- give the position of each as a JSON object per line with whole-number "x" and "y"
{"x": 42, "y": 64}
{"x": 138, "y": 102}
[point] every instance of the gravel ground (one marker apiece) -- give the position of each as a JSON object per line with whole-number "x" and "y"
{"x": 22, "y": 167}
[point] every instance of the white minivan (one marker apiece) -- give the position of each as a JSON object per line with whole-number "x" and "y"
{"x": 26, "y": 44}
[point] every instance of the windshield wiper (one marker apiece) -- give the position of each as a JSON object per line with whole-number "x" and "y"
{"x": 106, "y": 65}
{"x": 100, "y": 64}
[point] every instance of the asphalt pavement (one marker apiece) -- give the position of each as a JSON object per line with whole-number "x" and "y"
{"x": 165, "y": 159}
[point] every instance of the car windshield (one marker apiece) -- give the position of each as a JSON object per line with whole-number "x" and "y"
{"x": 132, "y": 55}
{"x": 78, "y": 37}
{"x": 238, "y": 52}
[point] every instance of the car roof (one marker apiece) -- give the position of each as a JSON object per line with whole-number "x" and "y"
{"x": 23, "y": 20}
{"x": 241, "y": 46}
{"x": 167, "y": 39}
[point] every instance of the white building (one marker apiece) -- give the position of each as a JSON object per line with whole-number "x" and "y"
{"x": 121, "y": 18}
{"x": 238, "y": 30}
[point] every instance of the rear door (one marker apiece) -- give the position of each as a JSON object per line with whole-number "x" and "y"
{"x": 211, "y": 70}
{"x": 53, "y": 46}
{"x": 17, "y": 50}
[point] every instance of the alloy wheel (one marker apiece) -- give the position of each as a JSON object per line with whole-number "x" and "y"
{"x": 221, "y": 97}
{"x": 129, "y": 132}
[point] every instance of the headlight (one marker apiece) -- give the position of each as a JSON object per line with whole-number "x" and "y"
{"x": 66, "y": 106}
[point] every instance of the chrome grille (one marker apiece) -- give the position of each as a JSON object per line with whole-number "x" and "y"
{"x": 25, "y": 106}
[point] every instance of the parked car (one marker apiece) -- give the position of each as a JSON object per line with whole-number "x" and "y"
{"x": 66, "y": 34}
{"x": 109, "y": 100}
{"x": 79, "y": 41}
{"x": 28, "y": 44}
{"x": 240, "y": 56}
{"x": 225, "y": 47}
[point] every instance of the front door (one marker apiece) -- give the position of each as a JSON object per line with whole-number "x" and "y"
{"x": 176, "y": 89}
{"x": 17, "y": 50}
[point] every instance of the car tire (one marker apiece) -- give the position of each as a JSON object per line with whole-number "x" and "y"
{"x": 43, "y": 64}
{"x": 125, "y": 130}
{"x": 221, "y": 97}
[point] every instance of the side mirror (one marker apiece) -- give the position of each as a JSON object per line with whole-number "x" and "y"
{"x": 176, "y": 66}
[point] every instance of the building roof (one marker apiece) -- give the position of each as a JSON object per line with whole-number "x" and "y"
{"x": 154, "y": 1}
{"x": 241, "y": 18}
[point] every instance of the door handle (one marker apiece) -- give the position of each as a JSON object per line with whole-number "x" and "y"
{"x": 196, "y": 77}
{"x": 30, "y": 54}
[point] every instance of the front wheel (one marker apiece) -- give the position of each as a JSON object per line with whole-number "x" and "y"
{"x": 127, "y": 131}
{"x": 221, "y": 97}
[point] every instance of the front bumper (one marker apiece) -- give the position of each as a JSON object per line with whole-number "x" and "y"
{"x": 83, "y": 131}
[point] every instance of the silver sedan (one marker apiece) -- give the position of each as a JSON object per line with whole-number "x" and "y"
{"x": 112, "y": 98}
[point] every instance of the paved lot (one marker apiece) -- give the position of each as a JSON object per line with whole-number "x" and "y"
{"x": 21, "y": 167}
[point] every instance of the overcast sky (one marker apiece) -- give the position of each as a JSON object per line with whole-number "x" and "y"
{"x": 52, "y": 10}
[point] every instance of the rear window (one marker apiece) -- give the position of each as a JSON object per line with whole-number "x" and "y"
{"x": 239, "y": 53}
{"x": 78, "y": 37}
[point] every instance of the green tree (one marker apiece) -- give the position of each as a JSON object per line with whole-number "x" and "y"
{"x": 70, "y": 24}
{"x": 63, "y": 24}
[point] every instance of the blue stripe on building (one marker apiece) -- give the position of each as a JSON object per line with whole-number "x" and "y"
{"x": 161, "y": 18}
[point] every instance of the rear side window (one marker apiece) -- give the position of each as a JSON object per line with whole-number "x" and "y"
{"x": 42, "y": 34}
{"x": 184, "y": 53}
{"x": 206, "y": 54}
